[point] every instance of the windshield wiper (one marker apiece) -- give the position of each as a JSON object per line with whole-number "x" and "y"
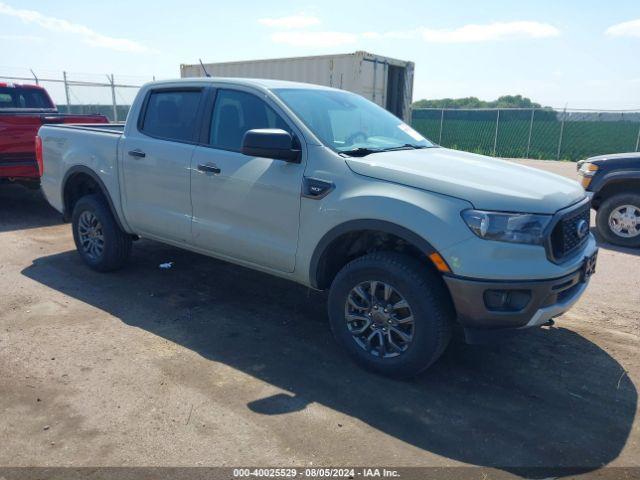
{"x": 406, "y": 146}
{"x": 363, "y": 151}
{"x": 360, "y": 151}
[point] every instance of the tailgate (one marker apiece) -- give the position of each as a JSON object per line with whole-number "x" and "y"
{"x": 17, "y": 145}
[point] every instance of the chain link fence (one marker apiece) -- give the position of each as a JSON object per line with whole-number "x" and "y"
{"x": 110, "y": 95}
{"x": 542, "y": 133}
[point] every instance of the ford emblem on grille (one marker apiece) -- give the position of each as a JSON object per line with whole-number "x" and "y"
{"x": 582, "y": 228}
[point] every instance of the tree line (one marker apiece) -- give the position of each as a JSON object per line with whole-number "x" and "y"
{"x": 505, "y": 101}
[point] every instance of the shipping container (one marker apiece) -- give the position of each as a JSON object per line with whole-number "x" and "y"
{"x": 383, "y": 80}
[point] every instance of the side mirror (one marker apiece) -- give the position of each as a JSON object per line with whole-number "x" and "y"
{"x": 270, "y": 143}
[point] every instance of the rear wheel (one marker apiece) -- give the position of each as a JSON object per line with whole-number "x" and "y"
{"x": 100, "y": 241}
{"x": 618, "y": 219}
{"x": 391, "y": 313}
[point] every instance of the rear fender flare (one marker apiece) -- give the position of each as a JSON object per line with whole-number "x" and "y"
{"x": 81, "y": 169}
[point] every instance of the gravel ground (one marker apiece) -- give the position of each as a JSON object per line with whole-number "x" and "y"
{"x": 207, "y": 363}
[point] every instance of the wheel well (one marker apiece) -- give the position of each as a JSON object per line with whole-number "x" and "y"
{"x": 76, "y": 187}
{"x": 613, "y": 188}
{"x": 351, "y": 245}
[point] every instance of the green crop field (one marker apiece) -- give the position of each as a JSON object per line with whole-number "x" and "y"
{"x": 582, "y": 135}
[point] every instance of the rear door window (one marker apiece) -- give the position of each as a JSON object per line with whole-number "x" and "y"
{"x": 172, "y": 115}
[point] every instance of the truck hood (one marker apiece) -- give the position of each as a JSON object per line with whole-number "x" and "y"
{"x": 625, "y": 161}
{"x": 613, "y": 157}
{"x": 488, "y": 183}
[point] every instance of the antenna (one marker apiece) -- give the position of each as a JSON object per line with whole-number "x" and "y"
{"x": 206, "y": 74}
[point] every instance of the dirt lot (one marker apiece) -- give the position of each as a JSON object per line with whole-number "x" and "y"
{"x": 211, "y": 364}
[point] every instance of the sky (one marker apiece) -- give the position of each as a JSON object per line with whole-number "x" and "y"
{"x": 568, "y": 53}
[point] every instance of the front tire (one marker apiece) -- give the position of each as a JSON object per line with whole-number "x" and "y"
{"x": 618, "y": 219}
{"x": 391, "y": 313}
{"x": 99, "y": 239}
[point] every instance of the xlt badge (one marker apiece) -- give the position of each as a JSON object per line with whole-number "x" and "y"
{"x": 316, "y": 188}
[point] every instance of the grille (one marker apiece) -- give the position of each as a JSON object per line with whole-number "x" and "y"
{"x": 564, "y": 237}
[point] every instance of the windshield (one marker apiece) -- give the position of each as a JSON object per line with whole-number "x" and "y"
{"x": 348, "y": 123}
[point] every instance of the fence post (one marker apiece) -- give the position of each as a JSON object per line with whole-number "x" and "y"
{"x": 113, "y": 97}
{"x": 564, "y": 114}
{"x": 441, "y": 122}
{"x": 35, "y": 77}
{"x": 533, "y": 112}
{"x": 66, "y": 91}
{"x": 495, "y": 137}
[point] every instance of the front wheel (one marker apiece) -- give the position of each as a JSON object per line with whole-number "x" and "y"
{"x": 99, "y": 239}
{"x": 618, "y": 219}
{"x": 391, "y": 313}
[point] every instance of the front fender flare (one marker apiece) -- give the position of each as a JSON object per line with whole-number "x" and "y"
{"x": 613, "y": 177}
{"x": 359, "y": 225}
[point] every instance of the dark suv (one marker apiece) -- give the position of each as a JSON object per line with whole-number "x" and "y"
{"x": 614, "y": 182}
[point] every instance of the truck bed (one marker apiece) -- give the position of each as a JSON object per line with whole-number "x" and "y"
{"x": 71, "y": 148}
{"x": 17, "y": 144}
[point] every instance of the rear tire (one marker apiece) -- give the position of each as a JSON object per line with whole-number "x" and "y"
{"x": 397, "y": 278}
{"x": 99, "y": 239}
{"x": 611, "y": 221}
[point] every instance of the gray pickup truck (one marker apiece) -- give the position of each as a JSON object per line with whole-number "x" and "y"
{"x": 322, "y": 187}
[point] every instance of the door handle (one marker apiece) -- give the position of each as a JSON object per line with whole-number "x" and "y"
{"x": 137, "y": 153}
{"x": 209, "y": 168}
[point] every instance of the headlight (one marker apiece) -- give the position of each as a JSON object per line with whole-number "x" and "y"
{"x": 507, "y": 227}
{"x": 588, "y": 169}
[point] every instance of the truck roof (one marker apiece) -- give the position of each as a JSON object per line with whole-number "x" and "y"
{"x": 20, "y": 85}
{"x": 265, "y": 83}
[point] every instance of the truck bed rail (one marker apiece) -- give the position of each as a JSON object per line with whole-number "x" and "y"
{"x": 112, "y": 128}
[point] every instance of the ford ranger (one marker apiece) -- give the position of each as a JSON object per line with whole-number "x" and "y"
{"x": 323, "y": 187}
{"x": 23, "y": 110}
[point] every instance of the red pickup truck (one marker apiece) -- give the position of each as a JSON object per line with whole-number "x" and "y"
{"x": 23, "y": 110}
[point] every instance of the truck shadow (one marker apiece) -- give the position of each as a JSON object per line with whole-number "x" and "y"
{"x": 22, "y": 208}
{"x": 550, "y": 403}
{"x": 602, "y": 243}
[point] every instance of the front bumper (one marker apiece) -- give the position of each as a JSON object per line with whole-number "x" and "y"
{"x": 539, "y": 301}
